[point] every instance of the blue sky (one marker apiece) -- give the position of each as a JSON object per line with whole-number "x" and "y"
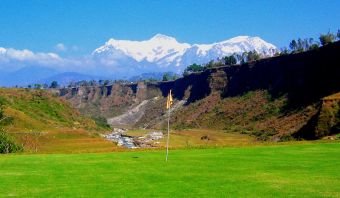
{"x": 85, "y": 25}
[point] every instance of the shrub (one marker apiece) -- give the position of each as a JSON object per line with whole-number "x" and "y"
{"x": 285, "y": 138}
{"x": 101, "y": 122}
{"x": 326, "y": 38}
{"x": 7, "y": 144}
{"x": 338, "y": 136}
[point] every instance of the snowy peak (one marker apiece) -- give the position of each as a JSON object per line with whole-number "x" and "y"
{"x": 165, "y": 51}
{"x": 154, "y": 49}
{"x": 237, "y": 45}
{"x": 162, "y": 37}
{"x": 240, "y": 39}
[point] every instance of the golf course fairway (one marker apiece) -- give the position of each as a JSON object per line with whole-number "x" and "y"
{"x": 298, "y": 170}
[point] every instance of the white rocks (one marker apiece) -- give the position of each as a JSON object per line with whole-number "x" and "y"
{"x": 134, "y": 142}
{"x": 155, "y": 135}
{"x": 121, "y": 140}
{"x": 119, "y": 130}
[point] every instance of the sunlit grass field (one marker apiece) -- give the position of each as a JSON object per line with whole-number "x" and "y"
{"x": 305, "y": 170}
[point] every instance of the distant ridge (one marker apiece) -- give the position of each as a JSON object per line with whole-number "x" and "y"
{"x": 65, "y": 78}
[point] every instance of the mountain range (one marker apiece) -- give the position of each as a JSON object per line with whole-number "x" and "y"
{"x": 167, "y": 53}
{"x": 122, "y": 59}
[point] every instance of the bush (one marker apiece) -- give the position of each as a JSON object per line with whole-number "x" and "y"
{"x": 264, "y": 135}
{"x": 7, "y": 144}
{"x": 337, "y": 136}
{"x": 326, "y": 38}
{"x": 101, "y": 122}
{"x": 285, "y": 138}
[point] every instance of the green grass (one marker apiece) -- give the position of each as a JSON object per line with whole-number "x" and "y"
{"x": 39, "y": 110}
{"x": 309, "y": 170}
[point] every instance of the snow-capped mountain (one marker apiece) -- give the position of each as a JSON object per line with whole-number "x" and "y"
{"x": 165, "y": 52}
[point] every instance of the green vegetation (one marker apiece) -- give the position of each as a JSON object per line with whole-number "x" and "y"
{"x": 230, "y": 60}
{"x": 167, "y": 76}
{"x": 34, "y": 120}
{"x": 253, "y": 56}
{"x": 309, "y": 170}
{"x": 101, "y": 121}
{"x": 193, "y": 68}
{"x": 36, "y": 110}
{"x": 327, "y": 38}
{"x": 302, "y": 45}
{"x": 329, "y": 118}
{"x": 7, "y": 143}
{"x": 54, "y": 84}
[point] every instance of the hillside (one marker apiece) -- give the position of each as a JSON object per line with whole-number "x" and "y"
{"x": 276, "y": 98}
{"x": 39, "y": 110}
{"x": 43, "y": 122}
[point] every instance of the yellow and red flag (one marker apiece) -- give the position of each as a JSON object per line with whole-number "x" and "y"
{"x": 169, "y": 101}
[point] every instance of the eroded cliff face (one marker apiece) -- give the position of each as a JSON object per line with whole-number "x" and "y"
{"x": 108, "y": 101}
{"x": 279, "y": 95}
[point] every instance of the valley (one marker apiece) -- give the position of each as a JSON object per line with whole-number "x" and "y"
{"x": 273, "y": 99}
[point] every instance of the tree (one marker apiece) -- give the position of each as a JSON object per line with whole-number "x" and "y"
{"x": 83, "y": 83}
{"x": 300, "y": 45}
{"x": 238, "y": 57}
{"x": 71, "y": 84}
{"x": 185, "y": 73}
{"x": 293, "y": 45}
{"x": 54, "y": 84}
{"x": 166, "y": 76}
{"x": 243, "y": 57}
{"x": 93, "y": 83}
{"x": 326, "y": 38}
{"x": 230, "y": 60}
{"x": 209, "y": 65}
{"x": 252, "y": 56}
{"x": 338, "y": 35}
{"x": 314, "y": 46}
{"x": 284, "y": 51}
{"x": 175, "y": 77}
{"x": 106, "y": 82}
{"x": 150, "y": 80}
{"x": 193, "y": 68}
{"x": 218, "y": 63}
{"x": 37, "y": 86}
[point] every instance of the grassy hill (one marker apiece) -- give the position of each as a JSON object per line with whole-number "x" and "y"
{"x": 43, "y": 122}
{"x": 304, "y": 170}
{"x": 39, "y": 110}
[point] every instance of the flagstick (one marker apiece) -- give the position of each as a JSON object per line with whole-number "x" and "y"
{"x": 167, "y": 142}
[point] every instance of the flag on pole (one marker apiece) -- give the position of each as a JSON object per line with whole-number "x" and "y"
{"x": 169, "y": 101}
{"x": 168, "y": 106}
